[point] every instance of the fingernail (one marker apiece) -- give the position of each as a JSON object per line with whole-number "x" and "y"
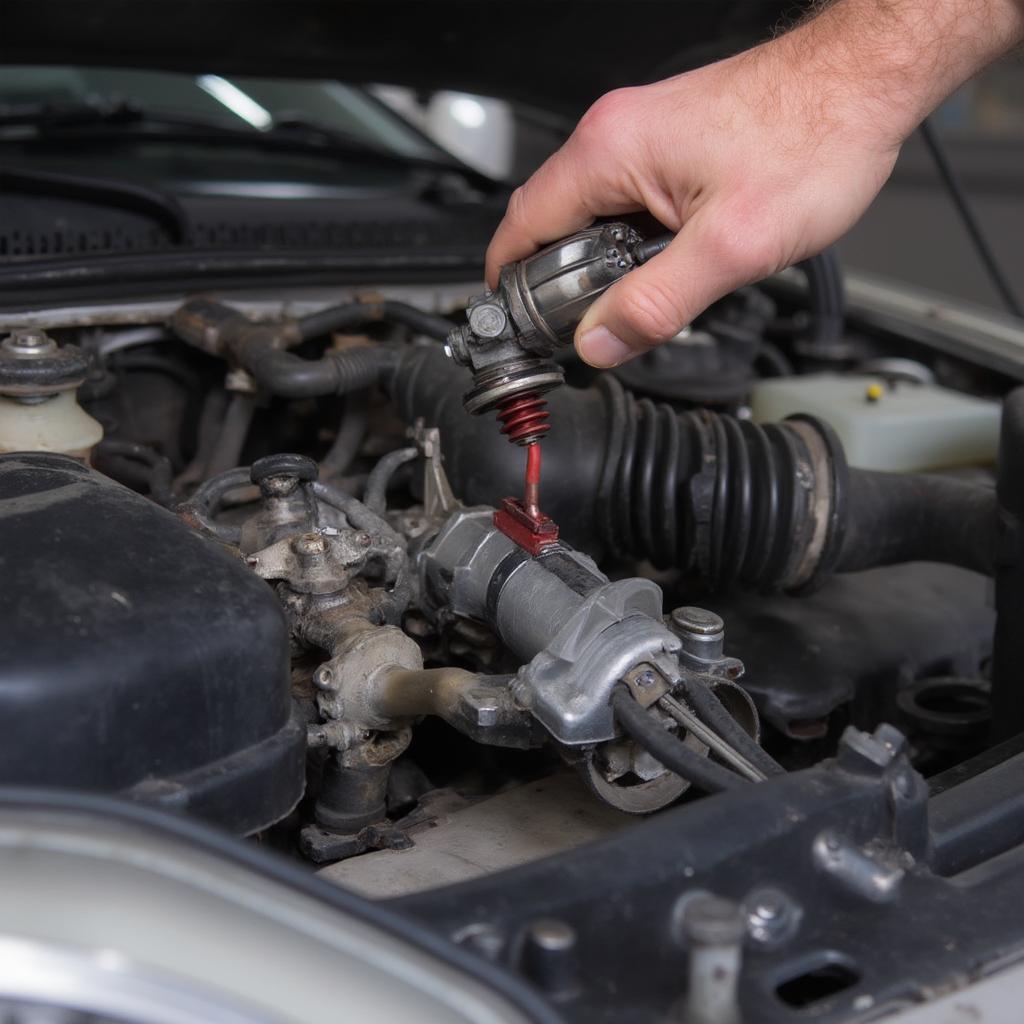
{"x": 601, "y": 348}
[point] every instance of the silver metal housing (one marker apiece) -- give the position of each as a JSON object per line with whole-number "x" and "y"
{"x": 578, "y": 632}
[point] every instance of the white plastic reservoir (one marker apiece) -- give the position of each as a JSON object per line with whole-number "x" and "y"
{"x": 894, "y": 426}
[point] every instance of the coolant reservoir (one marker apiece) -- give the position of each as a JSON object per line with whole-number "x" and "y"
{"x": 895, "y": 426}
{"x": 38, "y": 408}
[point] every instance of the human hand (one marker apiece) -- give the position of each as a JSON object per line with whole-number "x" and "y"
{"x": 757, "y": 161}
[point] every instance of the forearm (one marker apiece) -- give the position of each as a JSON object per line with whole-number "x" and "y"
{"x": 888, "y": 63}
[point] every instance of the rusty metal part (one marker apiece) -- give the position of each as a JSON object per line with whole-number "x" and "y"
{"x": 646, "y": 684}
{"x": 261, "y": 349}
{"x": 220, "y": 330}
{"x": 480, "y": 707}
{"x": 318, "y": 563}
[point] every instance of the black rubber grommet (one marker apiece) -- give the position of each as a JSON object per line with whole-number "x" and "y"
{"x": 284, "y": 464}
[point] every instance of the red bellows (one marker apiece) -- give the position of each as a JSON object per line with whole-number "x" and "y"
{"x": 524, "y": 419}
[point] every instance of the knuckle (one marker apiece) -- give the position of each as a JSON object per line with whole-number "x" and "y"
{"x": 606, "y": 117}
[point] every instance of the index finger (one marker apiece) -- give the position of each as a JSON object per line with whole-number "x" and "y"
{"x": 552, "y": 203}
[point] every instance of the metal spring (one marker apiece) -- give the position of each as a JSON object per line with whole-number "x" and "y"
{"x": 524, "y": 418}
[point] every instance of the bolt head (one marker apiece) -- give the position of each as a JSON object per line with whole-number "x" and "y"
{"x": 698, "y": 621}
{"x": 28, "y": 342}
{"x": 487, "y": 320}
{"x": 310, "y": 545}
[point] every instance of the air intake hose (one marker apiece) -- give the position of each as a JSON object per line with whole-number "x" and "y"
{"x": 772, "y": 506}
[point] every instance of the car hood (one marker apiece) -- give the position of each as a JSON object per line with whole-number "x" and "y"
{"x": 558, "y": 54}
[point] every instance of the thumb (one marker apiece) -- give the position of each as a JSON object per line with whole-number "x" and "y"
{"x": 657, "y": 300}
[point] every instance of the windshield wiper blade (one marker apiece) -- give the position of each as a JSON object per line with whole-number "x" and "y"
{"x": 98, "y": 121}
{"x": 154, "y": 203}
{"x": 64, "y": 114}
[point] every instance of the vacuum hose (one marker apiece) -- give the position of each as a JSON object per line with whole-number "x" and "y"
{"x": 261, "y": 348}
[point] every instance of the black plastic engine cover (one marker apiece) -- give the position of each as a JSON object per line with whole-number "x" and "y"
{"x": 136, "y": 656}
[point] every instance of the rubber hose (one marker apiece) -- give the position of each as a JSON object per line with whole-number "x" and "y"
{"x": 825, "y": 293}
{"x": 666, "y": 748}
{"x": 350, "y": 314}
{"x": 349, "y": 438}
{"x": 1008, "y": 650}
{"x": 337, "y": 373}
{"x": 375, "y": 496}
{"x": 908, "y": 517}
{"x": 712, "y": 712}
{"x": 227, "y": 449}
{"x": 824, "y": 275}
{"x": 207, "y": 499}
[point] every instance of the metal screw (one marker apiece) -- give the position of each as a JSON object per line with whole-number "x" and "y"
{"x": 323, "y": 678}
{"x": 646, "y": 679}
{"x": 700, "y": 621}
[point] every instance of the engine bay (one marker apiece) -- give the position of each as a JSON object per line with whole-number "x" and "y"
{"x": 264, "y": 568}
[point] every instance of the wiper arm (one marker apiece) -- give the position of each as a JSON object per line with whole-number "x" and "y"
{"x": 154, "y": 203}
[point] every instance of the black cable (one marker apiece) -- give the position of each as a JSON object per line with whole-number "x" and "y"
{"x": 349, "y": 439}
{"x": 970, "y": 221}
{"x": 158, "y": 468}
{"x": 774, "y": 358}
{"x": 713, "y": 713}
{"x": 227, "y": 450}
{"x": 650, "y": 247}
{"x": 827, "y": 301}
{"x": 668, "y": 749}
{"x": 206, "y": 502}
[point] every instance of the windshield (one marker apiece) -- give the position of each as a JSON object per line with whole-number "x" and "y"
{"x": 258, "y": 107}
{"x": 236, "y": 102}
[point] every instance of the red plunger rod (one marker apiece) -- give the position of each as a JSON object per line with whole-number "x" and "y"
{"x": 531, "y": 490}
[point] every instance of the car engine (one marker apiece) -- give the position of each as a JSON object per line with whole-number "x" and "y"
{"x": 269, "y": 562}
